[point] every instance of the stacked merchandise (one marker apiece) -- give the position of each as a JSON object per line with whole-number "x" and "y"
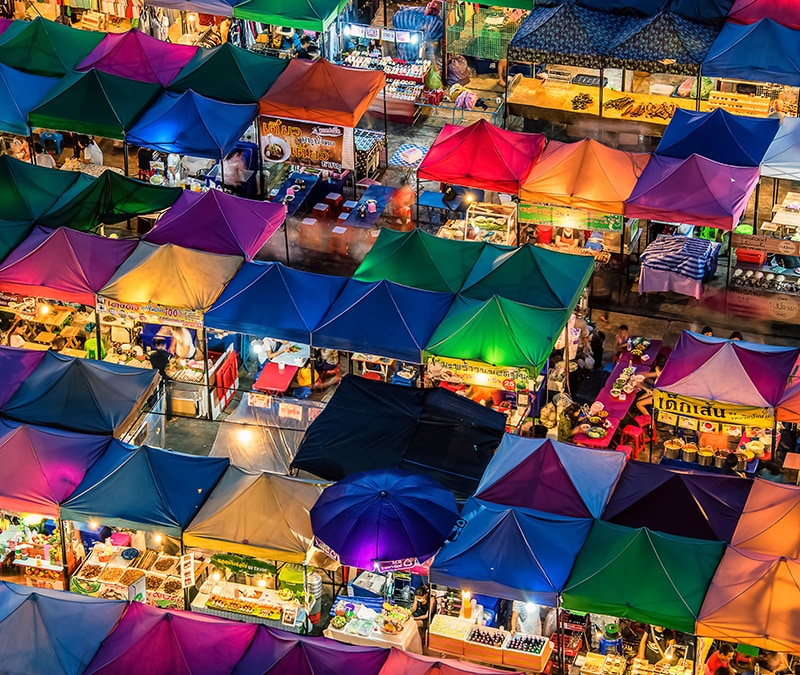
{"x": 679, "y": 264}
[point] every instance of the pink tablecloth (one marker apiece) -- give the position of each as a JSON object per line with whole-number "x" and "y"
{"x": 272, "y": 378}
{"x": 655, "y": 281}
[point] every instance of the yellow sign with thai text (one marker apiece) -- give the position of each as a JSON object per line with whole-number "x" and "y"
{"x": 460, "y": 371}
{"x": 713, "y": 411}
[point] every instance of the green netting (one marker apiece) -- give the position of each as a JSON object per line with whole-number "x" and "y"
{"x": 485, "y": 35}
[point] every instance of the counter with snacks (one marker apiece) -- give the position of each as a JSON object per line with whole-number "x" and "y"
{"x": 492, "y": 223}
{"x": 357, "y": 624}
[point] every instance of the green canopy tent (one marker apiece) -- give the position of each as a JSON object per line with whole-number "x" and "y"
{"x": 642, "y": 575}
{"x": 230, "y": 74}
{"x": 314, "y": 15}
{"x": 420, "y": 260}
{"x": 12, "y": 234}
{"x": 94, "y": 102}
{"x": 44, "y": 47}
{"x": 27, "y": 191}
{"x": 499, "y": 332}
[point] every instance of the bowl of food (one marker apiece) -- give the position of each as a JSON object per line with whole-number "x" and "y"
{"x": 276, "y": 149}
{"x": 596, "y": 432}
{"x": 338, "y": 622}
{"x": 616, "y": 393}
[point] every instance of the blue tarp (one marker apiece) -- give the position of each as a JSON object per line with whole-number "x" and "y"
{"x": 512, "y": 553}
{"x": 274, "y": 300}
{"x": 190, "y": 124}
{"x": 80, "y": 395}
{"x": 382, "y": 318}
{"x": 718, "y": 135}
{"x": 19, "y": 94}
{"x": 760, "y": 52}
{"x": 782, "y": 159}
{"x": 144, "y": 488}
{"x": 713, "y": 11}
{"x": 50, "y": 631}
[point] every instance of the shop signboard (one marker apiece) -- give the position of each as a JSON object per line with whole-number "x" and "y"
{"x": 764, "y": 304}
{"x": 327, "y": 550}
{"x": 566, "y": 216}
{"x": 242, "y": 564}
{"x": 713, "y": 411}
{"x": 23, "y": 305}
{"x": 321, "y": 146}
{"x": 768, "y": 244}
{"x": 461, "y": 371}
{"x": 397, "y": 565}
{"x": 112, "y": 312}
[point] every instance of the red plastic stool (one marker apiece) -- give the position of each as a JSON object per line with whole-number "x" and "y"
{"x": 627, "y": 449}
{"x": 321, "y": 211}
{"x": 335, "y": 201}
{"x": 372, "y": 375}
{"x": 646, "y": 422}
{"x": 349, "y": 206}
{"x": 312, "y": 235}
{"x": 339, "y": 240}
{"x": 634, "y": 436}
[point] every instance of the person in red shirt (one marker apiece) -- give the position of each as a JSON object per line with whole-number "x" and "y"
{"x": 719, "y": 659}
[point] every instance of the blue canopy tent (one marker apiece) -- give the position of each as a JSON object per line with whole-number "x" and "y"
{"x": 297, "y": 301}
{"x": 706, "y": 11}
{"x": 782, "y": 159}
{"x": 144, "y": 488}
{"x": 16, "y": 365}
{"x": 719, "y": 135}
{"x": 512, "y": 553}
{"x": 19, "y": 93}
{"x": 50, "y": 631}
{"x": 382, "y": 318}
{"x": 81, "y": 395}
{"x": 214, "y": 7}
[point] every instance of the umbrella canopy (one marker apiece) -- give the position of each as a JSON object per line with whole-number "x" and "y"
{"x": 695, "y": 190}
{"x": 642, "y": 575}
{"x": 297, "y": 301}
{"x": 27, "y": 191}
{"x": 319, "y": 91}
{"x": 382, "y": 318}
{"x": 192, "y": 124}
{"x": 788, "y": 409}
{"x": 770, "y": 520}
{"x": 420, "y": 260}
{"x": 16, "y": 366}
{"x": 259, "y": 514}
{"x": 50, "y": 631}
{"x": 230, "y": 74}
{"x": 719, "y": 135}
{"x": 175, "y": 642}
{"x": 753, "y": 599}
{"x": 144, "y": 488}
{"x": 63, "y": 264}
{"x": 585, "y": 175}
{"x": 400, "y": 662}
{"x": 171, "y": 276}
{"x": 386, "y": 515}
{"x": 781, "y": 159}
{"x": 784, "y": 12}
{"x": 217, "y": 222}
{"x": 20, "y": 92}
{"x": 40, "y": 468}
{"x": 482, "y": 156}
{"x": 701, "y": 505}
{"x": 138, "y": 56}
{"x": 45, "y": 47}
{"x": 549, "y": 476}
{"x": 315, "y": 15}
{"x": 511, "y": 553}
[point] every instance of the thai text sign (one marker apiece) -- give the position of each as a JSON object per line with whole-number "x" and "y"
{"x": 714, "y": 411}
{"x": 460, "y": 371}
{"x": 768, "y": 244}
{"x": 306, "y": 144}
{"x": 126, "y": 313}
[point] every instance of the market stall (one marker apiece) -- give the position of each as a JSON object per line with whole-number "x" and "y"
{"x": 678, "y": 264}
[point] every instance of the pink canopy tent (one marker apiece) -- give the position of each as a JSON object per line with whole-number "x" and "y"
{"x": 785, "y": 12}
{"x": 695, "y": 190}
{"x": 63, "y": 264}
{"x": 138, "y": 56}
{"x": 16, "y": 365}
{"x": 771, "y": 520}
{"x": 217, "y": 222}
{"x": 482, "y": 156}
{"x": 406, "y": 663}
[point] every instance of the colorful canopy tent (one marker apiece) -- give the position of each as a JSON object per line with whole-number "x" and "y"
{"x": 138, "y": 56}
{"x": 213, "y": 7}
{"x": 314, "y": 15}
{"x": 511, "y": 553}
{"x": 545, "y": 475}
{"x": 761, "y": 52}
{"x": 770, "y": 520}
{"x": 552, "y": 280}
{"x": 192, "y": 124}
{"x": 320, "y": 91}
{"x": 171, "y": 276}
{"x": 80, "y": 395}
{"x": 694, "y": 190}
{"x": 45, "y": 47}
{"x": 406, "y": 663}
{"x": 655, "y": 578}
{"x": 382, "y": 318}
{"x": 27, "y": 191}
{"x": 144, "y": 488}
{"x": 50, "y": 631}
{"x": 719, "y": 135}
{"x": 482, "y": 156}
{"x": 12, "y": 233}
{"x": 753, "y": 598}
{"x": 701, "y": 505}
{"x": 16, "y": 366}
{"x": 498, "y": 331}
{"x": 217, "y": 222}
{"x": 781, "y": 158}
{"x": 434, "y": 432}
{"x": 584, "y": 175}
{"x": 180, "y": 643}
{"x": 788, "y": 409}
{"x": 20, "y": 92}
{"x": 63, "y": 264}
{"x": 259, "y": 514}
{"x": 420, "y": 260}
{"x": 230, "y": 74}
{"x": 297, "y": 301}
{"x": 728, "y": 371}
{"x": 709, "y": 11}
{"x": 784, "y": 12}
{"x": 40, "y": 468}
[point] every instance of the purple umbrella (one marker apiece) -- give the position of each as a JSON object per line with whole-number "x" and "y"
{"x": 383, "y": 516}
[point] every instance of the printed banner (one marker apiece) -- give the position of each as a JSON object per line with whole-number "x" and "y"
{"x": 306, "y": 144}
{"x": 461, "y": 371}
{"x": 397, "y": 565}
{"x": 768, "y": 244}
{"x": 714, "y": 411}
{"x": 126, "y": 313}
{"x": 243, "y": 564}
{"x": 566, "y": 216}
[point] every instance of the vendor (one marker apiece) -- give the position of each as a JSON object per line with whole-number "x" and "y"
{"x": 719, "y": 659}
{"x": 568, "y": 423}
{"x": 233, "y": 169}
{"x": 420, "y": 610}
{"x": 90, "y": 151}
{"x": 655, "y": 642}
{"x": 525, "y": 618}
{"x": 568, "y": 238}
{"x": 183, "y": 345}
{"x": 645, "y": 402}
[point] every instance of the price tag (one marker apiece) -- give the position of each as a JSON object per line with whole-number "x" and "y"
{"x": 372, "y": 33}
{"x": 387, "y": 34}
{"x": 402, "y": 36}
{"x": 509, "y": 385}
{"x": 187, "y": 570}
{"x": 357, "y": 31}
{"x": 259, "y": 400}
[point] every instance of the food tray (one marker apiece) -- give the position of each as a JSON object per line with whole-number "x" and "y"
{"x": 165, "y": 564}
{"x": 447, "y": 634}
{"x": 154, "y": 581}
{"x": 172, "y": 586}
{"x": 589, "y": 80}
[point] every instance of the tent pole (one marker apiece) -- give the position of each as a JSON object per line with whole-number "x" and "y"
{"x": 98, "y": 334}
{"x": 63, "y": 532}
{"x": 775, "y": 184}
{"x": 222, "y": 171}
{"x": 262, "y": 192}
{"x": 560, "y": 628}
{"x": 286, "y": 238}
{"x": 699, "y": 87}
{"x": 31, "y": 151}
{"x": 204, "y": 339}
{"x": 600, "y": 93}
{"x": 186, "y": 588}
{"x": 416, "y": 173}
{"x": 755, "y": 206}
{"x": 125, "y": 154}
{"x": 443, "y": 43}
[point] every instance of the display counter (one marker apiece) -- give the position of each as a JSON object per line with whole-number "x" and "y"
{"x": 37, "y": 555}
{"x": 356, "y": 624}
{"x": 492, "y": 223}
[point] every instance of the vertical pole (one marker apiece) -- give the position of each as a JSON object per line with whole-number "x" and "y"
{"x": 699, "y": 87}
{"x": 222, "y": 171}
{"x": 31, "y": 151}
{"x": 444, "y": 43}
{"x": 186, "y": 589}
{"x": 207, "y": 378}
{"x": 624, "y": 75}
{"x": 600, "y": 93}
{"x": 98, "y": 334}
{"x": 125, "y": 154}
{"x": 63, "y": 531}
{"x": 262, "y": 191}
{"x": 417, "y": 175}
{"x": 775, "y": 184}
{"x": 755, "y": 206}
{"x": 286, "y": 238}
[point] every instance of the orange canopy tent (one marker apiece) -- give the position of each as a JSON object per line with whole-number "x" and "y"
{"x": 319, "y": 91}
{"x": 770, "y": 521}
{"x": 788, "y": 408}
{"x": 584, "y": 175}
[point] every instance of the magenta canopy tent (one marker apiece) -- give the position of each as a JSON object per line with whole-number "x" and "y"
{"x": 784, "y": 12}
{"x": 695, "y": 190}
{"x": 16, "y": 365}
{"x": 138, "y": 56}
{"x": 217, "y": 222}
{"x": 63, "y": 264}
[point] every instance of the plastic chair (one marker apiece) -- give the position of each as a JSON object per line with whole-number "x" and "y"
{"x": 321, "y": 212}
{"x": 372, "y": 375}
{"x": 339, "y": 242}
{"x": 627, "y": 449}
{"x": 301, "y": 392}
{"x": 57, "y": 139}
{"x": 312, "y": 235}
{"x": 634, "y": 436}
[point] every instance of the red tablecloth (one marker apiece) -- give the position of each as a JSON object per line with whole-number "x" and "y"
{"x": 272, "y": 378}
{"x": 618, "y": 409}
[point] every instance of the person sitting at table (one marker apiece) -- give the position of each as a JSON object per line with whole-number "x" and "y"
{"x": 16, "y": 334}
{"x": 232, "y": 170}
{"x": 58, "y": 344}
{"x": 620, "y": 341}
{"x": 308, "y": 376}
{"x": 644, "y": 404}
{"x": 420, "y": 610}
{"x": 568, "y": 423}
{"x": 43, "y": 158}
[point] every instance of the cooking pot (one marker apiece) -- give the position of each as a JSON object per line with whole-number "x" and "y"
{"x": 672, "y": 450}
{"x": 689, "y": 453}
{"x": 719, "y": 458}
{"x": 705, "y": 457}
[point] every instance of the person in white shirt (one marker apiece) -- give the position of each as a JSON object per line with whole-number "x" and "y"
{"x": 43, "y": 158}
{"x": 525, "y": 618}
{"x": 91, "y": 152}
{"x": 174, "y": 169}
{"x": 16, "y": 335}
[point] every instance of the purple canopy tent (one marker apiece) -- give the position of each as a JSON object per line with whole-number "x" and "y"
{"x": 138, "y": 56}
{"x": 217, "y": 222}
{"x": 695, "y": 190}
{"x": 16, "y": 365}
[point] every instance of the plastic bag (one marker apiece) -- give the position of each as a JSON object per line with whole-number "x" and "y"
{"x": 433, "y": 80}
{"x": 457, "y": 70}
